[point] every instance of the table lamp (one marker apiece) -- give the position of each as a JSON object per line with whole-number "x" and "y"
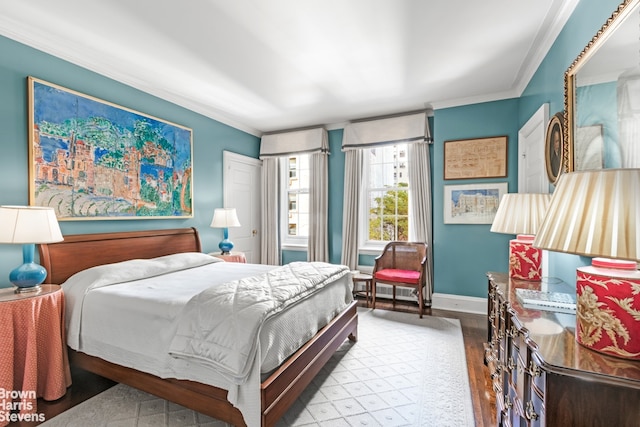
{"x": 521, "y": 214}
{"x": 597, "y": 214}
{"x": 225, "y": 218}
{"x": 28, "y": 225}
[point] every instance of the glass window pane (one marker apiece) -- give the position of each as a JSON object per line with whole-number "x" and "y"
{"x": 387, "y": 194}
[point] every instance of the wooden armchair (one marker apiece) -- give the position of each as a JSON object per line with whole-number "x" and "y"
{"x": 401, "y": 264}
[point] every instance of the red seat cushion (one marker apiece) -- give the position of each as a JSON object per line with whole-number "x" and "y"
{"x": 393, "y": 275}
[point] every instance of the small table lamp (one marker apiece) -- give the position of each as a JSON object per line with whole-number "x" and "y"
{"x": 522, "y": 214}
{"x": 597, "y": 214}
{"x": 28, "y": 225}
{"x": 225, "y": 218}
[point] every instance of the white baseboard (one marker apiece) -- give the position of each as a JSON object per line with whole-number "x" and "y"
{"x": 459, "y": 303}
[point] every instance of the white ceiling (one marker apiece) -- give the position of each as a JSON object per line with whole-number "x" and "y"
{"x": 268, "y": 65}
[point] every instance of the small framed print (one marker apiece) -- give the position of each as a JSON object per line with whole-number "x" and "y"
{"x": 472, "y": 203}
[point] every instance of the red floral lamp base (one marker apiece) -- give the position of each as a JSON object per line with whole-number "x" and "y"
{"x": 525, "y": 261}
{"x": 608, "y": 308}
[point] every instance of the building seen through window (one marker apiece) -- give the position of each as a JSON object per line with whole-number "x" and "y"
{"x": 297, "y": 211}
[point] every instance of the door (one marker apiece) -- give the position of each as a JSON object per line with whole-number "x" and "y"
{"x": 532, "y": 174}
{"x": 242, "y": 191}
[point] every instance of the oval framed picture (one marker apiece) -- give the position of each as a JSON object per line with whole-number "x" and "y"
{"x": 554, "y": 146}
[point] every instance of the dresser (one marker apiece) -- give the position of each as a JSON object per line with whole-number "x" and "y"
{"x": 541, "y": 376}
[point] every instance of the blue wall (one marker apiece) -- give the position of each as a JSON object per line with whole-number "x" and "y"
{"x": 462, "y": 253}
{"x": 599, "y": 106}
{"x": 210, "y": 139}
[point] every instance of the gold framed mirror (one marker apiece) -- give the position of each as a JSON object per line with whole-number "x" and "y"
{"x": 600, "y": 119}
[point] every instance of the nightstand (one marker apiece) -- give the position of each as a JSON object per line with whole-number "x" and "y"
{"x": 231, "y": 257}
{"x": 366, "y": 279}
{"x": 33, "y": 354}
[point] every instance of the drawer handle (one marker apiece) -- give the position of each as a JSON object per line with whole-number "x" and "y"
{"x": 507, "y": 402}
{"x": 513, "y": 331}
{"x": 530, "y": 411}
{"x": 534, "y": 369}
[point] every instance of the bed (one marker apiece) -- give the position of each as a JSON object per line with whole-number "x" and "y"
{"x": 277, "y": 390}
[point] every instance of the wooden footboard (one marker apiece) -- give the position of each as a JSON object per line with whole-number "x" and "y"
{"x": 278, "y": 392}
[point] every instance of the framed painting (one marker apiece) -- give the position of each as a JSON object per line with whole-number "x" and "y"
{"x": 476, "y": 158}
{"x": 90, "y": 159}
{"x": 554, "y": 147}
{"x": 472, "y": 203}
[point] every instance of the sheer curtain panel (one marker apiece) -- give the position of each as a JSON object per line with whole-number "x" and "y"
{"x": 270, "y": 239}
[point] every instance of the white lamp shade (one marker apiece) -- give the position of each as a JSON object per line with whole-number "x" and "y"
{"x": 29, "y": 224}
{"x": 594, "y": 213}
{"x": 224, "y": 218}
{"x": 520, "y": 213}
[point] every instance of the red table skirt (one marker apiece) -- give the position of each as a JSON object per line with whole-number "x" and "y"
{"x": 33, "y": 353}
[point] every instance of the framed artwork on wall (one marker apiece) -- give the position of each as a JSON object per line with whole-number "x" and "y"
{"x": 476, "y": 158}
{"x": 554, "y": 147}
{"x": 472, "y": 203}
{"x": 90, "y": 159}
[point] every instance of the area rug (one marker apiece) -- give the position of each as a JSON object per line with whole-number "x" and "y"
{"x": 403, "y": 371}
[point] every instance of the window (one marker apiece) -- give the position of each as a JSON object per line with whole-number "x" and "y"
{"x": 295, "y": 211}
{"x": 385, "y": 196}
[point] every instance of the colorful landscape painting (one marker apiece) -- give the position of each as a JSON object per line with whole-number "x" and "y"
{"x": 90, "y": 159}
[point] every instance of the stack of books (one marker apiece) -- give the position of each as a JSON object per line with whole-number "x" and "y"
{"x": 550, "y": 301}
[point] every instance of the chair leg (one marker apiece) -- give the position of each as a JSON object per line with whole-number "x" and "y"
{"x": 373, "y": 294}
{"x": 394, "y": 294}
{"x": 420, "y": 300}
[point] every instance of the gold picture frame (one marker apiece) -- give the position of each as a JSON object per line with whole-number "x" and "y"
{"x": 554, "y": 147}
{"x": 476, "y": 158}
{"x": 90, "y": 159}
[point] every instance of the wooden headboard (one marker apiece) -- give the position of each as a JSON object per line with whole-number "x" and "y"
{"x": 81, "y": 251}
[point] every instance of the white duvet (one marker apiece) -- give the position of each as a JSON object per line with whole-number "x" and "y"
{"x": 128, "y": 313}
{"x": 220, "y": 325}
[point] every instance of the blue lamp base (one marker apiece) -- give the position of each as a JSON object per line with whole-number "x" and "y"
{"x": 226, "y": 245}
{"x": 28, "y": 276}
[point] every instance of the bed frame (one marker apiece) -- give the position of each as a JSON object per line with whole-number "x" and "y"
{"x": 278, "y": 392}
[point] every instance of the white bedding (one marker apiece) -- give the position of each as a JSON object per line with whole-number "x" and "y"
{"x": 132, "y": 323}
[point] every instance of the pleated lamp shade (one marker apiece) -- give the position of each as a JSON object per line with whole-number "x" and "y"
{"x": 594, "y": 213}
{"x": 520, "y": 213}
{"x": 597, "y": 214}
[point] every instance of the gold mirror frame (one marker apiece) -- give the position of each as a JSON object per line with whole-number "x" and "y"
{"x": 609, "y": 27}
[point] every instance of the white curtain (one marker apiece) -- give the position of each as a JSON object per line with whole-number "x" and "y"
{"x": 318, "y": 242}
{"x": 352, "y": 188}
{"x": 420, "y": 205}
{"x": 275, "y": 146}
{"x": 270, "y": 239}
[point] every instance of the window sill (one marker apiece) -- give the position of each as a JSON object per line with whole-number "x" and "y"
{"x": 291, "y": 247}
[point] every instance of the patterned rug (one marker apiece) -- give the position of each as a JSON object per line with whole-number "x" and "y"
{"x": 403, "y": 371}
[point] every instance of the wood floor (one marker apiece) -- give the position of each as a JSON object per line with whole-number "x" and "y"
{"x": 474, "y": 330}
